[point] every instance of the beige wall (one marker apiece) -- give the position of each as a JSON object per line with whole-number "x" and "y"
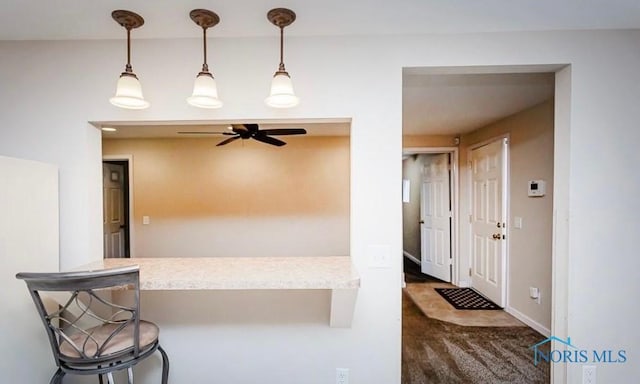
{"x": 531, "y": 158}
{"x": 243, "y": 199}
{"x": 413, "y": 141}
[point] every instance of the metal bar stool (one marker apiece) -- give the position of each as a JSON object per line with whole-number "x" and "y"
{"x": 90, "y": 334}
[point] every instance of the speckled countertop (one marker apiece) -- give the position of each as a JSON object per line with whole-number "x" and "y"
{"x": 330, "y": 272}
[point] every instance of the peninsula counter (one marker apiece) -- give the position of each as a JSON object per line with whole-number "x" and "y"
{"x": 335, "y": 273}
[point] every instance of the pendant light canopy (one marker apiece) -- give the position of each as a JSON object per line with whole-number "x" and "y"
{"x": 282, "y": 95}
{"x": 128, "y": 90}
{"x": 205, "y": 92}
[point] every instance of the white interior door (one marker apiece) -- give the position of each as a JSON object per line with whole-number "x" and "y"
{"x": 113, "y": 206}
{"x": 435, "y": 217}
{"x": 488, "y": 210}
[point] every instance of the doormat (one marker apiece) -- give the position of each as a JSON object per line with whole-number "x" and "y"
{"x": 466, "y": 298}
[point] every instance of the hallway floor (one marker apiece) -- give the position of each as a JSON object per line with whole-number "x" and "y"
{"x": 436, "y": 351}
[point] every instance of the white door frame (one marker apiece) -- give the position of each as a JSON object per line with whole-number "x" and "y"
{"x": 129, "y": 160}
{"x": 455, "y": 273}
{"x": 506, "y": 205}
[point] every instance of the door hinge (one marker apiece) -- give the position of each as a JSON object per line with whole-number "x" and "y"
{"x": 469, "y": 272}
{"x": 471, "y": 218}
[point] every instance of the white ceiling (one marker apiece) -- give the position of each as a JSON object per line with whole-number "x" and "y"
{"x": 82, "y": 19}
{"x": 459, "y": 103}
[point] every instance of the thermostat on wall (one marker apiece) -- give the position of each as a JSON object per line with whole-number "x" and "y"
{"x": 537, "y": 188}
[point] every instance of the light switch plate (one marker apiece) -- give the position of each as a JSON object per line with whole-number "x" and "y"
{"x": 517, "y": 222}
{"x": 146, "y": 220}
{"x": 379, "y": 256}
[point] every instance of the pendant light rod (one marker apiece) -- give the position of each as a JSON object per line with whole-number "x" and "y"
{"x": 281, "y": 67}
{"x": 128, "y": 20}
{"x": 205, "y": 19}
{"x": 128, "y": 67}
{"x": 205, "y": 67}
{"x": 281, "y": 17}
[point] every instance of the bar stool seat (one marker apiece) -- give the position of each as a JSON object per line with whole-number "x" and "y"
{"x": 123, "y": 340}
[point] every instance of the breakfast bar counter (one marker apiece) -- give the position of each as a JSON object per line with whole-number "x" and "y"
{"x": 335, "y": 273}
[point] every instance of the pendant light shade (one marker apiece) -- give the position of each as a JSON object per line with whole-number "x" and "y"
{"x": 205, "y": 91}
{"x": 129, "y": 93}
{"x": 128, "y": 90}
{"x": 281, "y": 95}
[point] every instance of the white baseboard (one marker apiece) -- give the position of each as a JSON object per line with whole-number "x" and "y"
{"x": 546, "y": 332}
{"x": 411, "y": 257}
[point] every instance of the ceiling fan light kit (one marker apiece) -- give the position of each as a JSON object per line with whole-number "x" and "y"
{"x": 205, "y": 92}
{"x": 128, "y": 90}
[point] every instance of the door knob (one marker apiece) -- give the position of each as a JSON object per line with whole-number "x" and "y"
{"x": 421, "y": 221}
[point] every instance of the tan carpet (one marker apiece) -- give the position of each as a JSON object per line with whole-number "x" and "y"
{"x": 436, "y": 307}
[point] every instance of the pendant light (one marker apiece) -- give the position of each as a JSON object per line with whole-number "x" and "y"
{"x": 128, "y": 91}
{"x": 281, "y": 95}
{"x": 205, "y": 92}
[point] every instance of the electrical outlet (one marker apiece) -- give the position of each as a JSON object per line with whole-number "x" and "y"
{"x": 342, "y": 376}
{"x": 588, "y": 374}
{"x": 534, "y": 293}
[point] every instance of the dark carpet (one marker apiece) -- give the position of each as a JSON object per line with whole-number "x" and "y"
{"x": 434, "y": 351}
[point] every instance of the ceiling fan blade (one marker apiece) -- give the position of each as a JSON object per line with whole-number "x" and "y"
{"x": 204, "y": 133}
{"x": 284, "y": 131}
{"x": 269, "y": 140}
{"x": 227, "y": 141}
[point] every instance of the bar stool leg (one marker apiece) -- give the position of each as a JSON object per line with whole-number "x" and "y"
{"x": 57, "y": 377}
{"x": 165, "y": 365}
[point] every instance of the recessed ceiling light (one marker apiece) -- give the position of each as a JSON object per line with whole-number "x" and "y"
{"x": 108, "y": 129}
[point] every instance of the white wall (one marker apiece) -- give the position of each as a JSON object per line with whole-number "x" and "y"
{"x": 28, "y": 243}
{"x": 50, "y": 90}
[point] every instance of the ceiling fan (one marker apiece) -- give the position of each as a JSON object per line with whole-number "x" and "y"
{"x": 252, "y": 131}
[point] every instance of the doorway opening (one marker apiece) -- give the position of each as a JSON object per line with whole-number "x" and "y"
{"x": 468, "y": 108}
{"x": 117, "y": 205}
{"x": 430, "y": 204}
